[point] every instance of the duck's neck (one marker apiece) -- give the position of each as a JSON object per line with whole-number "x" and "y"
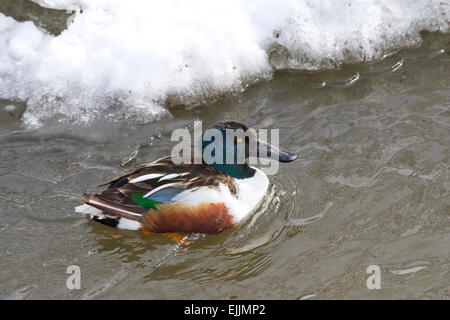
{"x": 237, "y": 171}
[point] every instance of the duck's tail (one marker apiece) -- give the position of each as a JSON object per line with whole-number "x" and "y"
{"x": 107, "y": 213}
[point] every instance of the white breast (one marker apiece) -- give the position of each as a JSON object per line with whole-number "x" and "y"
{"x": 250, "y": 192}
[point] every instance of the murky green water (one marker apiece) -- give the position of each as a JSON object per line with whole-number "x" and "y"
{"x": 371, "y": 186}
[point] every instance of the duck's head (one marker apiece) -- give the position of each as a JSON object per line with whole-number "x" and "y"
{"x": 227, "y": 144}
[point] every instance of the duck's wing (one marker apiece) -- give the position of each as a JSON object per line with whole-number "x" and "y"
{"x": 132, "y": 195}
{"x": 150, "y": 178}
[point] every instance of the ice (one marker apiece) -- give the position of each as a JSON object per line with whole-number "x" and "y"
{"x": 129, "y": 59}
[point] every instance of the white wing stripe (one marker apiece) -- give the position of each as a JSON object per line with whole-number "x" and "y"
{"x": 173, "y": 175}
{"x": 147, "y": 177}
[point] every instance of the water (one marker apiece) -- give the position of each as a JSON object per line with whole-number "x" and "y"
{"x": 371, "y": 186}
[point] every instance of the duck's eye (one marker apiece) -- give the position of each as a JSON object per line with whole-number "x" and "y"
{"x": 239, "y": 140}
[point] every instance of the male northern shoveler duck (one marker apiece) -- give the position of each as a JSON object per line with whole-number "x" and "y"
{"x": 201, "y": 198}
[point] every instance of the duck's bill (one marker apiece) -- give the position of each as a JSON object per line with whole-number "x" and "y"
{"x": 269, "y": 151}
{"x": 286, "y": 155}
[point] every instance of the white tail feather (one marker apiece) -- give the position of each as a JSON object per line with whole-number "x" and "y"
{"x": 87, "y": 209}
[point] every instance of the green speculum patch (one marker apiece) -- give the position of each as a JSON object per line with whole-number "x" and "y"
{"x": 144, "y": 202}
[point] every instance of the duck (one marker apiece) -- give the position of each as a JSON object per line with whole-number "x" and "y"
{"x": 204, "y": 197}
